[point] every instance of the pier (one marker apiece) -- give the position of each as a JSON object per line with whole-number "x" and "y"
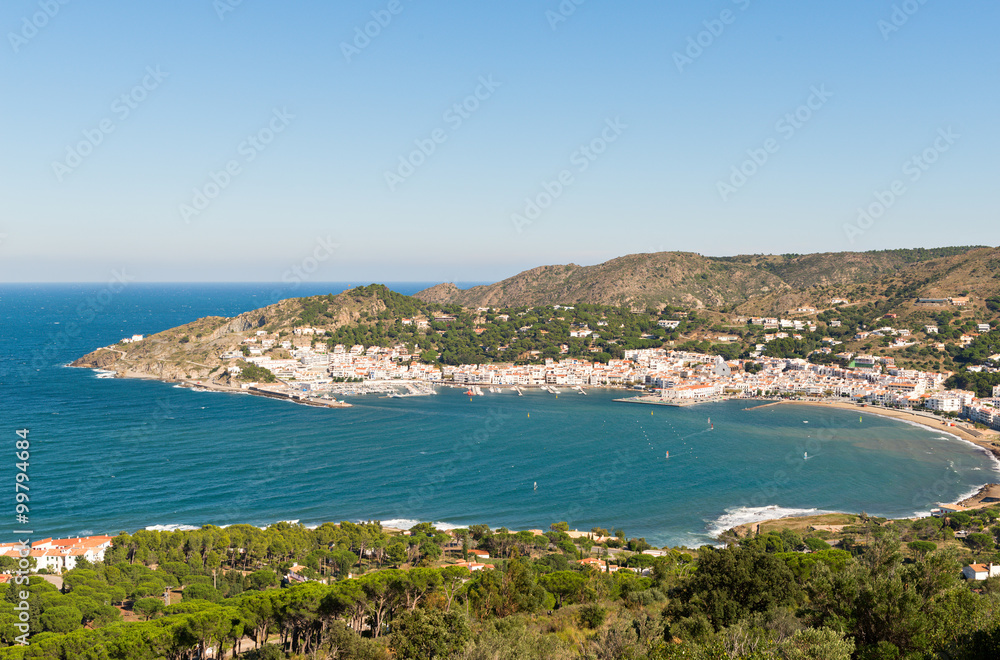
{"x": 673, "y": 403}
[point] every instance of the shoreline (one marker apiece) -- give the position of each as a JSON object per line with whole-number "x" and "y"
{"x": 986, "y": 495}
{"x": 983, "y": 439}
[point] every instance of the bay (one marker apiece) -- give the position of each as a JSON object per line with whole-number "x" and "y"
{"x": 114, "y": 454}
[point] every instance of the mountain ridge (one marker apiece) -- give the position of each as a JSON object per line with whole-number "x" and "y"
{"x": 762, "y": 283}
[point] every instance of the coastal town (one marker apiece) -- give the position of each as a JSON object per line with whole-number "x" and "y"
{"x": 668, "y": 376}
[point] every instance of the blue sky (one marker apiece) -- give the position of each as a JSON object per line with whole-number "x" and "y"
{"x": 121, "y": 118}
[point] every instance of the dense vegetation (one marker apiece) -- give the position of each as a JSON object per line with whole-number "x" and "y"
{"x": 518, "y": 334}
{"x": 251, "y": 372}
{"x": 890, "y": 590}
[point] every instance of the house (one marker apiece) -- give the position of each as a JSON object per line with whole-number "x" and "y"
{"x": 836, "y": 323}
{"x": 58, "y": 555}
{"x": 294, "y": 574}
{"x": 479, "y": 554}
{"x": 669, "y": 325}
{"x": 983, "y": 327}
{"x": 473, "y": 566}
{"x": 931, "y": 329}
{"x": 959, "y": 301}
{"x": 981, "y": 571}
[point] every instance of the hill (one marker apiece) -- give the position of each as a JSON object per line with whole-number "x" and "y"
{"x": 747, "y": 284}
{"x": 193, "y": 350}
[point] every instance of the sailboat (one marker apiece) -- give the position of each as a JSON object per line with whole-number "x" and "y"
{"x": 805, "y": 456}
{"x": 536, "y": 485}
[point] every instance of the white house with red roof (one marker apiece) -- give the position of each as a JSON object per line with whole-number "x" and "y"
{"x": 58, "y": 555}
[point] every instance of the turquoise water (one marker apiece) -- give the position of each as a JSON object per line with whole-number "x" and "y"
{"x": 111, "y": 454}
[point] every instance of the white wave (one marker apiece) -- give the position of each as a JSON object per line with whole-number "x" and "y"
{"x": 406, "y": 523}
{"x": 753, "y": 514}
{"x": 971, "y": 493}
{"x": 951, "y": 436}
{"x": 171, "y": 528}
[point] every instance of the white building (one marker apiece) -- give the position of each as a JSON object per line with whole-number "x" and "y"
{"x": 58, "y": 555}
{"x": 944, "y": 403}
{"x": 980, "y": 571}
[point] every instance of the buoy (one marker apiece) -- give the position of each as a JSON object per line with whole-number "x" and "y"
{"x": 529, "y": 414}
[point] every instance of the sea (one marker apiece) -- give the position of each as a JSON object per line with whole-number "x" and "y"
{"x": 110, "y": 455}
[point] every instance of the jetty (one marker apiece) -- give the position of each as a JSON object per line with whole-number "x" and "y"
{"x": 764, "y": 405}
{"x": 296, "y": 398}
{"x": 673, "y": 403}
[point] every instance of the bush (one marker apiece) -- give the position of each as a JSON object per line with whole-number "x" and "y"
{"x": 266, "y": 652}
{"x": 922, "y": 547}
{"x": 814, "y": 543}
{"x": 263, "y": 579}
{"x": 147, "y": 607}
{"x": 980, "y": 541}
{"x": 202, "y": 592}
{"x": 592, "y": 616}
{"x": 429, "y": 634}
{"x": 61, "y": 619}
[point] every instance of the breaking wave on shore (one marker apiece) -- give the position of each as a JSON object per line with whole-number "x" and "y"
{"x": 746, "y": 515}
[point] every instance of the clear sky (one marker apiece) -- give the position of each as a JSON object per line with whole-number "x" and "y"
{"x": 120, "y": 118}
